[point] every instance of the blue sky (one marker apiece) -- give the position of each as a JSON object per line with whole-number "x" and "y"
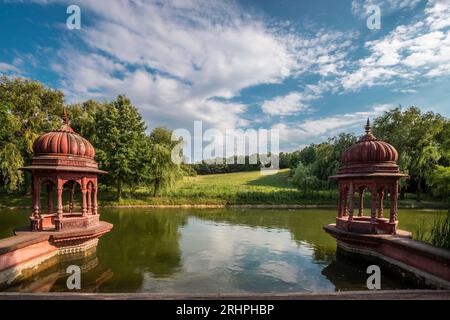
{"x": 311, "y": 69}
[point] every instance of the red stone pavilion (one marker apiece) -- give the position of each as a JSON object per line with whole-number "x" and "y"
{"x": 63, "y": 158}
{"x": 370, "y": 165}
{"x": 63, "y": 162}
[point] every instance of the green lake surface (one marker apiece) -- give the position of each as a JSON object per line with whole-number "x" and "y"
{"x": 213, "y": 251}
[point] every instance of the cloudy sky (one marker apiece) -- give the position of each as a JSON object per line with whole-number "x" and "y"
{"x": 310, "y": 68}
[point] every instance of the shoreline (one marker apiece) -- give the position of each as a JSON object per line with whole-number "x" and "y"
{"x": 236, "y": 206}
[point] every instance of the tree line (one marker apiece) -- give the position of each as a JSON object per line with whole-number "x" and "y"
{"x": 116, "y": 129}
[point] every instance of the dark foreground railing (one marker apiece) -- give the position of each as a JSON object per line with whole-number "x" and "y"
{"x": 347, "y": 295}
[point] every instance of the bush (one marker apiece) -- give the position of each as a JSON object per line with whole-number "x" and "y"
{"x": 439, "y": 235}
{"x": 303, "y": 179}
{"x": 440, "y": 232}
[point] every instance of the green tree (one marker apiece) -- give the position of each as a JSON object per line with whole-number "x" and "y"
{"x": 83, "y": 118}
{"x": 27, "y": 109}
{"x": 307, "y": 156}
{"x": 121, "y": 133}
{"x": 439, "y": 181}
{"x": 10, "y": 162}
{"x": 304, "y": 179}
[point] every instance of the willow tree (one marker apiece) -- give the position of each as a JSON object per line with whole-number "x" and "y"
{"x": 161, "y": 171}
{"x": 27, "y": 109}
{"x": 304, "y": 179}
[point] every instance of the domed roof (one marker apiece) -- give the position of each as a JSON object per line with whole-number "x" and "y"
{"x": 369, "y": 149}
{"x": 369, "y": 157}
{"x": 63, "y": 141}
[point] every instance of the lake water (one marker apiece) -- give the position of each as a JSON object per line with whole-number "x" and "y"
{"x": 211, "y": 251}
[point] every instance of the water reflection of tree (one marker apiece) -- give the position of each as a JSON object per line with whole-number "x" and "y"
{"x": 141, "y": 241}
{"x": 305, "y": 226}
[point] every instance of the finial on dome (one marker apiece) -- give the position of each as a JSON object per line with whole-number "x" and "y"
{"x": 66, "y": 123}
{"x": 65, "y": 117}
{"x": 368, "y": 127}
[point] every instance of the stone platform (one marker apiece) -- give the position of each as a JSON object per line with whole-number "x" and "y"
{"x": 365, "y": 224}
{"x": 425, "y": 263}
{"x": 30, "y": 251}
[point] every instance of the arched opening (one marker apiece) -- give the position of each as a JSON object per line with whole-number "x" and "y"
{"x": 361, "y": 191}
{"x": 343, "y": 200}
{"x": 72, "y": 198}
{"x": 47, "y": 197}
{"x": 44, "y": 197}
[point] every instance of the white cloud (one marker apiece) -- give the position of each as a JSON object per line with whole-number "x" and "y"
{"x": 438, "y": 14}
{"x": 292, "y": 103}
{"x": 176, "y": 58}
{"x": 6, "y": 67}
{"x": 294, "y": 134}
{"x": 181, "y": 61}
{"x": 421, "y": 48}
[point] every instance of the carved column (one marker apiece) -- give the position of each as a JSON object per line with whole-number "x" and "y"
{"x": 344, "y": 201}
{"x": 89, "y": 198}
{"x": 380, "y": 203}
{"x": 394, "y": 194}
{"x": 59, "y": 192}
{"x": 84, "y": 193}
{"x": 340, "y": 201}
{"x": 49, "y": 198}
{"x": 351, "y": 202}
{"x": 361, "y": 202}
{"x": 94, "y": 205}
{"x": 71, "y": 196}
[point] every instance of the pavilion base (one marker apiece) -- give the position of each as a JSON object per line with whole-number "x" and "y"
{"x": 30, "y": 252}
{"x": 51, "y": 222}
{"x": 364, "y": 225}
{"x": 427, "y": 263}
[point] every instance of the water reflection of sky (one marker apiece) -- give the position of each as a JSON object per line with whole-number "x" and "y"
{"x": 219, "y": 257}
{"x": 212, "y": 251}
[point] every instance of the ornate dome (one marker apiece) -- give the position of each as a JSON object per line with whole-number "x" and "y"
{"x": 368, "y": 157}
{"x": 63, "y": 141}
{"x": 369, "y": 149}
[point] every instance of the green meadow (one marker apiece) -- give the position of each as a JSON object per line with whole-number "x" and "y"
{"x": 238, "y": 188}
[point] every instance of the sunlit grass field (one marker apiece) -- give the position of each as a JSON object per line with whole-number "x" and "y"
{"x": 229, "y": 189}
